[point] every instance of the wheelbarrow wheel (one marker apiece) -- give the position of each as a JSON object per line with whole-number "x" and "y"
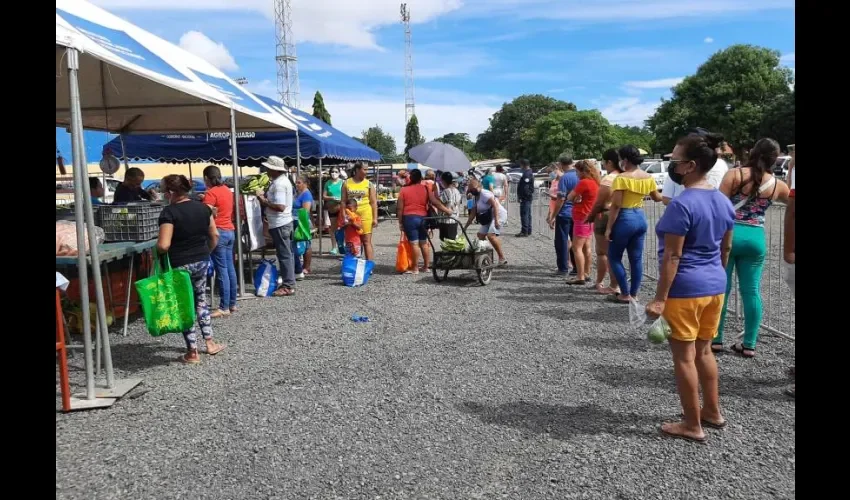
{"x": 440, "y": 275}
{"x": 485, "y": 271}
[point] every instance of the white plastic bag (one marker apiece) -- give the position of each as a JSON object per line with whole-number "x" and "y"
{"x": 637, "y": 314}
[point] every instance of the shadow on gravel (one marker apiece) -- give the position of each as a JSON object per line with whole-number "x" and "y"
{"x": 133, "y": 357}
{"x": 662, "y": 379}
{"x": 561, "y": 422}
{"x": 629, "y": 344}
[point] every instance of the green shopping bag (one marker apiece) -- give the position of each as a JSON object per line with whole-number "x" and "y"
{"x": 168, "y": 299}
{"x": 302, "y": 229}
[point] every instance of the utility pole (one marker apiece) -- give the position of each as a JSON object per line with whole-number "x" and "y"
{"x": 409, "y": 94}
{"x": 287, "y": 61}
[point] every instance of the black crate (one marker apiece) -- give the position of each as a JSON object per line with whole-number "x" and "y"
{"x": 131, "y": 222}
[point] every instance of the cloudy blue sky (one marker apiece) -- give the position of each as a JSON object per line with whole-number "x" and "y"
{"x": 470, "y": 56}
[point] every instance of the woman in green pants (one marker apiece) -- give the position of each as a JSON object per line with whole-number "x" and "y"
{"x": 752, "y": 190}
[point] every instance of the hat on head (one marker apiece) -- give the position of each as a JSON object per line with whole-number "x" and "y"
{"x": 275, "y": 163}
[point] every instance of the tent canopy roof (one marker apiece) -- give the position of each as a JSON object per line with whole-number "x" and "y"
{"x": 134, "y": 82}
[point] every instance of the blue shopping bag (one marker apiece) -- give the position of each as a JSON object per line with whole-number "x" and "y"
{"x": 265, "y": 279}
{"x": 339, "y": 235}
{"x": 301, "y": 247}
{"x": 356, "y": 272}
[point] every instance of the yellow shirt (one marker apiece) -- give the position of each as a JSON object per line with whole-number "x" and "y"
{"x": 359, "y": 191}
{"x": 634, "y": 190}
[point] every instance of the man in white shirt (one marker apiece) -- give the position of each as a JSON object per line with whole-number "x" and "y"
{"x": 278, "y": 205}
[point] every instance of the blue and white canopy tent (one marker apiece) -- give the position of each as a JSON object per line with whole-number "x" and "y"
{"x": 114, "y": 76}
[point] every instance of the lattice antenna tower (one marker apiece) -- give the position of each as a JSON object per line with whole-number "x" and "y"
{"x": 409, "y": 93}
{"x": 287, "y": 62}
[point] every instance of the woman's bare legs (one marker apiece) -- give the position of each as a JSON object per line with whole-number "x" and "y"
{"x": 687, "y": 383}
{"x": 602, "y": 267}
{"x": 426, "y": 255}
{"x": 308, "y": 259}
{"x": 707, "y": 369}
{"x": 588, "y": 258}
{"x": 578, "y": 252}
{"x": 366, "y": 240}
{"x": 414, "y": 262}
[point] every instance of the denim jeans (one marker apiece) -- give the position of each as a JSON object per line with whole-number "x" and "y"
{"x": 282, "y": 238}
{"x": 563, "y": 235}
{"x": 627, "y": 235}
{"x": 525, "y": 216}
{"x": 225, "y": 271}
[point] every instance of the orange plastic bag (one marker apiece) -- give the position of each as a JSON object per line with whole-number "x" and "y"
{"x": 404, "y": 255}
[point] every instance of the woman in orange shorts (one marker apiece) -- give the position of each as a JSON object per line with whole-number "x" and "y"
{"x": 694, "y": 241}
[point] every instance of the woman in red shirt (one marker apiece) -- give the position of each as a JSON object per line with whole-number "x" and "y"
{"x": 413, "y": 202}
{"x": 220, "y": 200}
{"x": 583, "y": 197}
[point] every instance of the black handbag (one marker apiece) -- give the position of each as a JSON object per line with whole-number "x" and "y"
{"x": 484, "y": 218}
{"x": 432, "y": 212}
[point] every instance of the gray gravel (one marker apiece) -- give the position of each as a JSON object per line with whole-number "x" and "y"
{"x": 525, "y": 388}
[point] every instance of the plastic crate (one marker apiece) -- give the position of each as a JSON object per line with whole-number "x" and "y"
{"x": 131, "y": 222}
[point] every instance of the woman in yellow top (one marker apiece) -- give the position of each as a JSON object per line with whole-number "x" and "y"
{"x": 363, "y": 190}
{"x": 627, "y": 223}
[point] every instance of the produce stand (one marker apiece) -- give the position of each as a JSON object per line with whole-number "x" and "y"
{"x": 387, "y": 207}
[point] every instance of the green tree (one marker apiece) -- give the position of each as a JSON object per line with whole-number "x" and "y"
{"x": 579, "y": 134}
{"x": 462, "y": 142}
{"x": 377, "y": 139}
{"x": 319, "y": 110}
{"x": 504, "y": 135}
{"x": 640, "y": 137}
{"x": 730, "y": 93}
{"x": 780, "y": 120}
{"x": 412, "y": 137}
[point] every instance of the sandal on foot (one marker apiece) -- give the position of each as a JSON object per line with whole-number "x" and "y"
{"x": 215, "y": 350}
{"x": 576, "y": 281}
{"x": 219, "y": 313}
{"x": 189, "y": 358}
{"x": 716, "y": 348}
{"x": 503, "y": 263}
{"x": 744, "y": 351}
{"x": 283, "y": 292}
{"x": 616, "y": 299}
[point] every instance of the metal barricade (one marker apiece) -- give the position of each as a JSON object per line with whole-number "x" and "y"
{"x": 777, "y": 300}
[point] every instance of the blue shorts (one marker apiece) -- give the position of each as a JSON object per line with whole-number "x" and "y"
{"x": 414, "y": 229}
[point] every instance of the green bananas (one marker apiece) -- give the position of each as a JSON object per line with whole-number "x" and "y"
{"x": 261, "y": 181}
{"x": 456, "y": 245}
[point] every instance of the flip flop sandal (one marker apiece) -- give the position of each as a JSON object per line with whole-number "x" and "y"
{"x": 576, "y": 281}
{"x": 616, "y": 299}
{"x": 503, "y": 263}
{"x": 218, "y": 349}
{"x": 716, "y": 348}
{"x": 283, "y": 292}
{"x": 703, "y": 440}
{"x": 188, "y": 361}
{"x": 740, "y": 349}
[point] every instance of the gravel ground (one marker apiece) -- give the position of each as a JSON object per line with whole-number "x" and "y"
{"x": 525, "y": 388}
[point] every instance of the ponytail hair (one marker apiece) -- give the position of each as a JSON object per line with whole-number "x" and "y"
{"x": 762, "y": 157}
{"x": 176, "y": 184}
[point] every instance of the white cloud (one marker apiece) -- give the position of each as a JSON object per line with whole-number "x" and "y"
{"x": 788, "y": 59}
{"x": 202, "y": 46}
{"x": 266, "y": 88}
{"x": 629, "y": 111}
{"x": 708, "y": 39}
{"x": 341, "y": 22}
{"x": 662, "y": 83}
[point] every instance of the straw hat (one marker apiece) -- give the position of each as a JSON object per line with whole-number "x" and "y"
{"x": 275, "y": 163}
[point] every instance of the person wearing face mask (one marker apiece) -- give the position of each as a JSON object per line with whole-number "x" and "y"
{"x": 188, "y": 233}
{"x": 694, "y": 243}
{"x": 671, "y": 189}
{"x": 332, "y": 198}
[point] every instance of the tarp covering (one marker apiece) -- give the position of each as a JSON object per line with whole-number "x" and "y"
{"x": 317, "y": 140}
{"x": 134, "y": 82}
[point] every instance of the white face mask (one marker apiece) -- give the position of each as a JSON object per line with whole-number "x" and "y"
{"x": 334, "y": 175}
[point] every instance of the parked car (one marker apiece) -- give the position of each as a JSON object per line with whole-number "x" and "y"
{"x": 658, "y": 170}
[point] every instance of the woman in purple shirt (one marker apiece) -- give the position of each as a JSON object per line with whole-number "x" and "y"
{"x": 694, "y": 241}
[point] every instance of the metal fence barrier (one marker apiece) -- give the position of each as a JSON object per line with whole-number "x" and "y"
{"x": 777, "y": 300}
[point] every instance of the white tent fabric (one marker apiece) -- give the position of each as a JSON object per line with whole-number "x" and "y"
{"x": 127, "y": 75}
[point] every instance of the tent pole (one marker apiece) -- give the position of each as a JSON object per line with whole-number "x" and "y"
{"x": 124, "y": 153}
{"x": 321, "y": 210}
{"x": 237, "y": 197}
{"x": 82, "y": 266}
{"x": 191, "y": 182}
{"x": 95, "y": 262}
{"x": 297, "y": 152}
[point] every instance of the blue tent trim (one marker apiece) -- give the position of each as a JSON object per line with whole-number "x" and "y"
{"x": 317, "y": 140}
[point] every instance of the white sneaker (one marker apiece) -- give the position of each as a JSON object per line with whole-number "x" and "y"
{"x": 299, "y": 277}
